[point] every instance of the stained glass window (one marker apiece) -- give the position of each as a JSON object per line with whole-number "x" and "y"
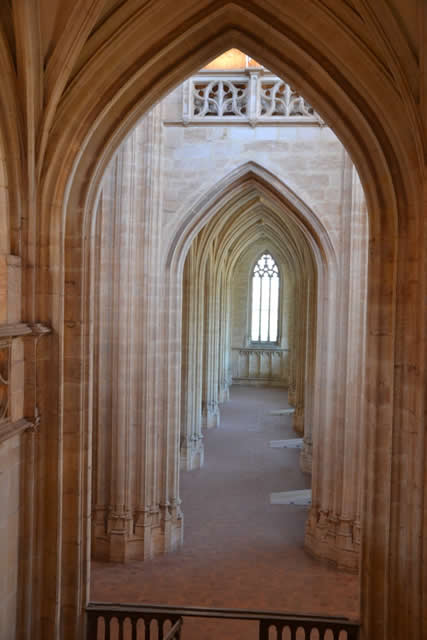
{"x": 265, "y": 300}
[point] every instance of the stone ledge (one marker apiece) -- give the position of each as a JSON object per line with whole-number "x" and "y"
{"x": 17, "y": 329}
{"x": 10, "y": 429}
{"x": 23, "y": 329}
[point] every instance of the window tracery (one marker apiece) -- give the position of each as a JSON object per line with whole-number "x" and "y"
{"x": 265, "y": 300}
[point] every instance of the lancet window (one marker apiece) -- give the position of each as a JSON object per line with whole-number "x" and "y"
{"x": 265, "y": 300}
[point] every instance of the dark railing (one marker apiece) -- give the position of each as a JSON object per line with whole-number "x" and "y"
{"x": 106, "y": 621}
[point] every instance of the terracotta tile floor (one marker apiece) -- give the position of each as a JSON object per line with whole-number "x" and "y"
{"x": 239, "y": 550}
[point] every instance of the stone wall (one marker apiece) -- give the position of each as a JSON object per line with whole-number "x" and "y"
{"x": 11, "y": 506}
{"x": 13, "y": 472}
{"x": 308, "y": 158}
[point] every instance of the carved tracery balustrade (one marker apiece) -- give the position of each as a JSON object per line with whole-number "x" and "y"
{"x": 253, "y": 96}
{"x": 219, "y": 98}
{"x": 276, "y": 98}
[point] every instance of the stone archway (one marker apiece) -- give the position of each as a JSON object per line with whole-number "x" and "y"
{"x": 85, "y": 135}
{"x": 236, "y": 201}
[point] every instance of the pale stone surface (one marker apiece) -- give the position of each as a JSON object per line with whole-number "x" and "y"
{"x": 282, "y": 412}
{"x": 11, "y": 458}
{"x": 76, "y": 78}
{"x": 301, "y": 497}
{"x": 294, "y": 443}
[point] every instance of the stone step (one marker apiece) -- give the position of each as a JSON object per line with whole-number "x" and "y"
{"x": 282, "y": 412}
{"x": 294, "y": 443}
{"x": 302, "y": 497}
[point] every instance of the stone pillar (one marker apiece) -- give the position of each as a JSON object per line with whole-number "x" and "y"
{"x": 210, "y": 379}
{"x": 131, "y": 520}
{"x": 192, "y": 450}
{"x": 310, "y": 367}
{"x": 224, "y": 338}
{"x": 158, "y": 514}
{"x": 300, "y": 328}
{"x": 292, "y": 345}
{"x": 333, "y": 526}
{"x": 118, "y": 212}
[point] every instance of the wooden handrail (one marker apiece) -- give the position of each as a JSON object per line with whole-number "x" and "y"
{"x": 203, "y": 612}
{"x": 265, "y": 619}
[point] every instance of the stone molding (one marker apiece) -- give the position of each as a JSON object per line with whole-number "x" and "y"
{"x": 15, "y": 330}
{"x": 23, "y": 329}
{"x": 11, "y": 429}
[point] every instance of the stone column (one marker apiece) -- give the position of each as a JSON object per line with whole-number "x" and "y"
{"x": 192, "y": 450}
{"x": 224, "y": 350}
{"x": 130, "y": 512}
{"x": 114, "y": 373}
{"x": 158, "y": 514}
{"x": 333, "y": 526}
{"x": 300, "y": 328}
{"x": 210, "y": 378}
{"x": 347, "y": 499}
{"x": 310, "y": 367}
{"x": 292, "y": 346}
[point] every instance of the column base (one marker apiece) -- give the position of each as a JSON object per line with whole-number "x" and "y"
{"x": 306, "y": 456}
{"x": 334, "y": 539}
{"x": 224, "y": 394}
{"x": 211, "y": 416}
{"x": 292, "y": 396}
{"x": 298, "y": 420}
{"x": 192, "y": 454}
{"x": 126, "y": 539}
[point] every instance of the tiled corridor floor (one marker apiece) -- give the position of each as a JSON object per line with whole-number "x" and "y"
{"x": 239, "y": 550}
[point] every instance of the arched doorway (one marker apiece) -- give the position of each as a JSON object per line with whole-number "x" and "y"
{"x": 380, "y": 152}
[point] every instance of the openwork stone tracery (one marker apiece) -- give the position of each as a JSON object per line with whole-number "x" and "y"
{"x": 254, "y": 96}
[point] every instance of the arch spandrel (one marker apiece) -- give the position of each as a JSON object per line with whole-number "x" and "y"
{"x": 247, "y": 185}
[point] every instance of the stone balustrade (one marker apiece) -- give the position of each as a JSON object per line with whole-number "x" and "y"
{"x": 253, "y": 96}
{"x": 260, "y": 365}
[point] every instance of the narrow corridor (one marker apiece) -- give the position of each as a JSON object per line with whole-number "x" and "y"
{"x": 239, "y": 550}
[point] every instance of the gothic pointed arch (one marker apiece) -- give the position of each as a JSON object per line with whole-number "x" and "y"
{"x": 365, "y": 110}
{"x": 247, "y": 182}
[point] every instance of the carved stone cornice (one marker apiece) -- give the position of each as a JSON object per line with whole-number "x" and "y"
{"x": 15, "y": 330}
{"x": 23, "y": 329}
{"x": 10, "y": 429}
